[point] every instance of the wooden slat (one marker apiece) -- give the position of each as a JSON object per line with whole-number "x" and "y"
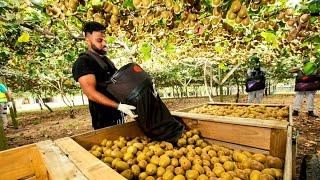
{"x": 234, "y": 120}
{"x": 89, "y": 165}
{"x": 25, "y": 161}
{"x": 290, "y": 116}
{"x": 57, "y": 163}
{"x": 278, "y": 143}
{"x": 237, "y": 146}
{"x": 88, "y": 139}
{"x": 257, "y": 137}
{"x": 248, "y": 104}
{"x": 288, "y": 161}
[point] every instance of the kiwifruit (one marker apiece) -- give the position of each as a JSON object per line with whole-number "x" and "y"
{"x": 128, "y": 174}
{"x": 160, "y": 171}
{"x": 151, "y": 169}
{"x": 168, "y": 175}
{"x": 192, "y": 174}
{"x": 179, "y": 177}
{"x": 179, "y": 170}
{"x": 121, "y": 166}
{"x": 135, "y": 170}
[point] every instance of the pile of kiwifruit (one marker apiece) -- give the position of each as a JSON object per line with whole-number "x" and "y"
{"x": 252, "y": 111}
{"x": 192, "y": 158}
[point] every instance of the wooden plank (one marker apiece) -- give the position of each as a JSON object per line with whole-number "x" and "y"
{"x": 237, "y": 146}
{"x": 21, "y": 162}
{"x": 257, "y": 137}
{"x": 288, "y": 161}
{"x": 190, "y": 108}
{"x": 290, "y": 116}
{"x": 278, "y": 143}
{"x": 248, "y": 104}
{"x": 234, "y": 120}
{"x": 88, "y": 164}
{"x": 88, "y": 139}
{"x": 57, "y": 163}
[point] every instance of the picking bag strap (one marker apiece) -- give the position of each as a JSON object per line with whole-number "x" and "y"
{"x": 98, "y": 59}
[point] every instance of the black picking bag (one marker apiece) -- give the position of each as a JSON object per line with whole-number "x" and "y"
{"x": 131, "y": 85}
{"x": 256, "y": 82}
{"x": 307, "y": 83}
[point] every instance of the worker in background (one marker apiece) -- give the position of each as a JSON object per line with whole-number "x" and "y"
{"x": 255, "y": 82}
{"x": 5, "y": 101}
{"x": 307, "y": 83}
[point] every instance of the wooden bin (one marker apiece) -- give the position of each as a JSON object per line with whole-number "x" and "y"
{"x": 265, "y": 135}
{"x": 76, "y": 147}
{"x": 42, "y": 160}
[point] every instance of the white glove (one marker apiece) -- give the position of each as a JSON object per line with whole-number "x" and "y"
{"x": 126, "y": 109}
{"x": 10, "y": 104}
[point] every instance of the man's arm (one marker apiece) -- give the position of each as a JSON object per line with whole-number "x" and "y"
{"x": 294, "y": 70}
{"x": 88, "y": 86}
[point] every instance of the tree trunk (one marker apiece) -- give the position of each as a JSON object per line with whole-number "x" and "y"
{"x": 47, "y": 106}
{"x": 238, "y": 90}
{"x": 269, "y": 87}
{"x": 72, "y": 114}
{"x": 3, "y": 138}
{"x": 14, "y": 107}
{"x": 41, "y": 108}
{"x": 221, "y": 93}
{"x": 13, "y": 118}
{"x": 82, "y": 97}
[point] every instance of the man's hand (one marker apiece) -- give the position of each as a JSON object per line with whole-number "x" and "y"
{"x": 127, "y": 109}
{"x": 294, "y": 70}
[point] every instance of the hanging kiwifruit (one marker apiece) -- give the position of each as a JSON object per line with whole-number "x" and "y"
{"x": 304, "y": 18}
{"x": 243, "y": 12}
{"x": 146, "y": 3}
{"x": 290, "y": 22}
{"x": 264, "y": 2}
{"x": 89, "y": 14}
{"x": 238, "y": 20}
{"x": 192, "y": 17}
{"x": 281, "y": 15}
{"x": 113, "y": 20}
{"x": 254, "y": 7}
{"x": 231, "y": 15}
{"x": 289, "y": 12}
{"x": 246, "y": 21}
{"x": 206, "y": 21}
{"x": 72, "y": 5}
{"x": 97, "y": 17}
{"x": 216, "y": 3}
{"x": 115, "y": 10}
{"x": 235, "y": 6}
{"x": 169, "y": 4}
{"x": 107, "y": 7}
{"x": 215, "y": 21}
{"x": 144, "y": 11}
{"x": 216, "y": 12}
{"x": 137, "y": 3}
{"x": 176, "y": 8}
{"x": 272, "y": 1}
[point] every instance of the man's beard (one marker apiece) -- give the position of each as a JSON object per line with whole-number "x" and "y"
{"x": 97, "y": 50}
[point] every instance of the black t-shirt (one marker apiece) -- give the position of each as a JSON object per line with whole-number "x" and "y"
{"x": 102, "y": 116}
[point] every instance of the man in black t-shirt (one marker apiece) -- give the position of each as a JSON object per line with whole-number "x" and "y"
{"x": 87, "y": 70}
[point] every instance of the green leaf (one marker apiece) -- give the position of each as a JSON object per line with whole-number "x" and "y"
{"x": 24, "y": 37}
{"x": 110, "y": 39}
{"x": 170, "y": 48}
{"x": 128, "y": 4}
{"x": 218, "y": 48}
{"x": 270, "y": 37}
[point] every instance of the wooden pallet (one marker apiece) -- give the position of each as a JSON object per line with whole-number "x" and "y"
{"x": 42, "y": 160}
{"x": 76, "y": 147}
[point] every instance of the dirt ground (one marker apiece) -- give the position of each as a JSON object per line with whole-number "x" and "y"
{"x": 42, "y": 125}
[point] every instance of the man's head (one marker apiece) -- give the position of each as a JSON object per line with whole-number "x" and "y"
{"x": 254, "y": 61}
{"x": 95, "y": 38}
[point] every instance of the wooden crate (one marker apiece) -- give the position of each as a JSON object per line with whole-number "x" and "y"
{"x": 264, "y": 135}
{"x": 238, "y": 120}
{"x": 42, "y": 160}
{"x": 76, "y": 147}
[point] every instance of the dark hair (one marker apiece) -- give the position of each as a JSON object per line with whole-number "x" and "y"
{"x": 92, "y": 26}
